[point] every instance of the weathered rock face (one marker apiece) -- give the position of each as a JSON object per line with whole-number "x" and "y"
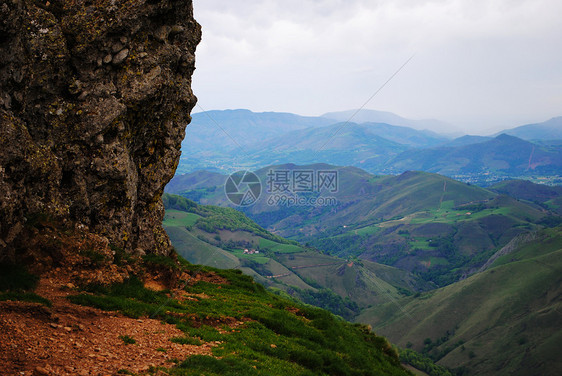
{"x": 94, "y": 100}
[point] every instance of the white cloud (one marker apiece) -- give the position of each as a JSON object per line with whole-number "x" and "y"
{"x": 480, "y": 63}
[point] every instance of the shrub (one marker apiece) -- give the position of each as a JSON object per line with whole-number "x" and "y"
{"x": 128, "y": 340}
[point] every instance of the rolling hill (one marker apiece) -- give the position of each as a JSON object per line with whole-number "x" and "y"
{"x": 224, "y": 238}
{"x": 504, "y": 320}
{"x": 545, "y": 195}
{"x": 425, "y": 223}
{"x": 373, "y": 116}
{"x": 492, "y": 160}
{"x": 548, "y": 130}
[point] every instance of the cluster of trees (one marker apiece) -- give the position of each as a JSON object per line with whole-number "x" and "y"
{"x": 327, "y": 299}
{"x": 422, "y": 363}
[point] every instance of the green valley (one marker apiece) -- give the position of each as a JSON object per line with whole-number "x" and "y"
{"x": 434, "y": 226}
{"x": 345, "y": 286}
{"x": 460, "y": 275}
{"x": 503, "y": 320}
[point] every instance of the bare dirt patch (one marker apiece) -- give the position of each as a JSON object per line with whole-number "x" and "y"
{"x": 67, "y": 339}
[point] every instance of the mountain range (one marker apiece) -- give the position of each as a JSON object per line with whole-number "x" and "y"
{"x": 226, "y": 141}
{"x": 548, "y": 130}
{"x": 372, "y": 116}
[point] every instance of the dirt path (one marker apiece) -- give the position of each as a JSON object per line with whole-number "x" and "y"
{"x": 67, "y": 339}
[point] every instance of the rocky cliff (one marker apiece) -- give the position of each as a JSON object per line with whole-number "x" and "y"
{"x": 94, "y": 100}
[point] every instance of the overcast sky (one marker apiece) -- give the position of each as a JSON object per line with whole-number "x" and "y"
{"x": 482, "y": 65}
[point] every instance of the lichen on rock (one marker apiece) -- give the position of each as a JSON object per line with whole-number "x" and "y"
{"x": 94, "y": 100}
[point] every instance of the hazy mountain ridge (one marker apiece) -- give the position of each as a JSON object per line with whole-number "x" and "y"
{"x": 373, "y": 116}
{"x": 547, "y": 130}
{"x": 496, "y": 159}
{"x": 249, "y": 141}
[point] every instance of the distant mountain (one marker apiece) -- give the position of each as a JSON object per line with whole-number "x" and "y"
{"x": 548, "y": 196}
{"x": 467, "y": 140}
{"x": 195, "y": 180}
{"x": 342, "y": 144}
{"x": 526, "y": 190}
{"x": 240, "y": 139}
{"x": 232, "y": 140}
{"x": 372, "y": 116}
{"x": 231, "y": 129}
{"x": 548, "y": 130}
{"x": 499, "y": 157}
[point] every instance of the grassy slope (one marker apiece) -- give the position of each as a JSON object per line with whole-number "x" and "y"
{"x": 364, "y": 283}
{"x": 508, "y": 316}
{"x": 396, "y": 220}
{"x": 198, "y": 251}
{"x": 255, "y": 332}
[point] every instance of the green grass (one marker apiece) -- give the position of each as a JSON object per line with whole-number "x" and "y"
{"x": 186, "y": 341}
{"x": 287, "y": 248}
{"x": 259, "y": 258}
{"x": 266, "y": 243}
{"x": 16, "y": 278}
{"x": 279, "y": 247}
{"x": 369, "y": 230}
{"x": 420, "y": 243}
{"x": 180, "y": 218}
{"x": 128, "y": 340}
{"x": 279, "y": 337}
{"x": 24, "y": 297}
{"x": 17, "y": 284}
{"x": 198, "y": 251}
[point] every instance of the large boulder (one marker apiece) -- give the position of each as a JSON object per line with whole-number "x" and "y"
{"x": 94, "y": 100}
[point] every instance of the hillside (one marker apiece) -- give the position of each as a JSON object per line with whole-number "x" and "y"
{"x": 174, "y": 318}
{"x": 505, "y": 320}
{"x": 343, "y": 286}
{"x": 548, "y": 196}
{"x": 94, "y": 101}
{"x": 502, "y": 156}
{"x": 420, "y": 222}
{"x": 223, "y": 139}
{"x": 548, "y": 130}
{"x": 354, "y": 143}
{"x": 244, "y": 126}
{"x": 373, "y": 116}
